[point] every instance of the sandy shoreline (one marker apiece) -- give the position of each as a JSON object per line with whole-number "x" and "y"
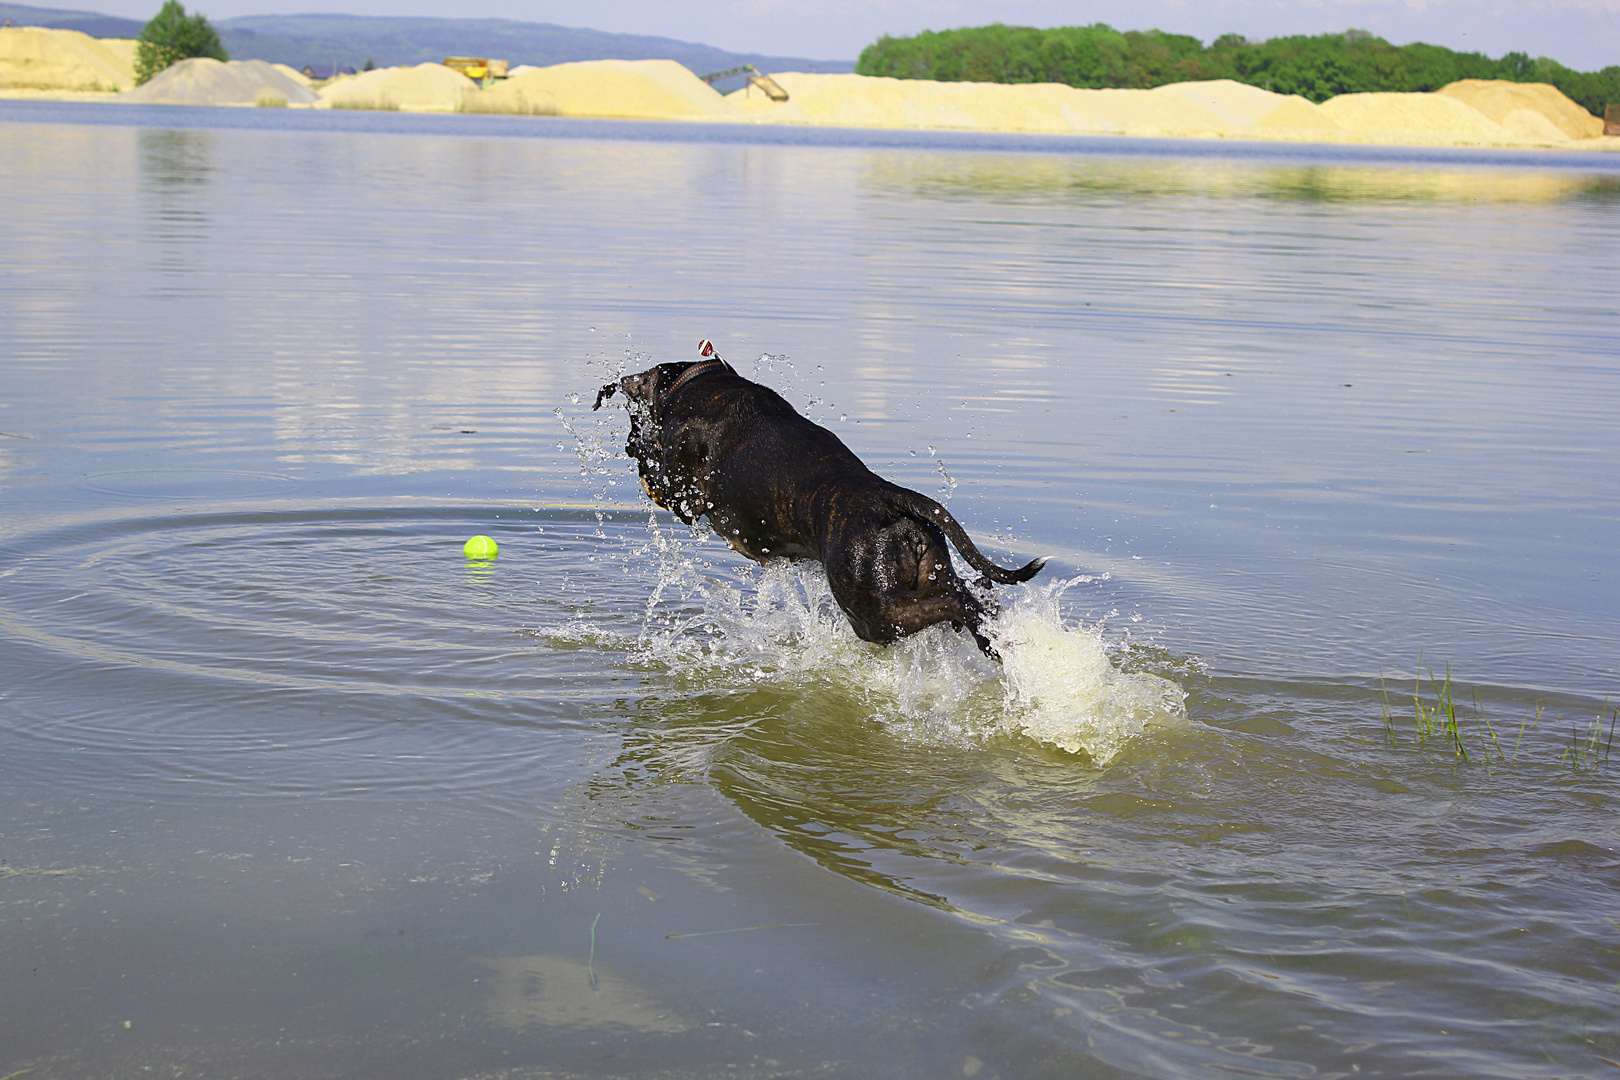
{"x": 64, "y": 65}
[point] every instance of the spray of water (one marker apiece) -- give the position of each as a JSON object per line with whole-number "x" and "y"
{"x": 725, "y": 623}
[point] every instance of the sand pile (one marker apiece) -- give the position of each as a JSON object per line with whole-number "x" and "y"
{"x": 638, "y": 89}
{"x": 1298, "y": 119}
{"x": 1474, "y": 113}
{"x": 204, "y": 81}
{"x": 863, "y": 101}
{"x": 427, "y": 87}
{"x": 1413, "y": 117}
{"x": 33, "y": 58}
{"x": 1240, "y": 105}
{"x": 1526, "y": 107}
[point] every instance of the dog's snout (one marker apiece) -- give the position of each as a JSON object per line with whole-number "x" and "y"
{"x": 640, "y": 387}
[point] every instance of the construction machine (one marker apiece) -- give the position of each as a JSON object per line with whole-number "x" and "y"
{"x": 756, "y": 78}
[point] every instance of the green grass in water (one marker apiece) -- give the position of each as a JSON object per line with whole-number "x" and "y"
{"x": 1440, "y": 725}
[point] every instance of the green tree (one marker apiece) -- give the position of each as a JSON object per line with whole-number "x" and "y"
{"x": 1316, "y": 67}
{"x": 172, "y": 36}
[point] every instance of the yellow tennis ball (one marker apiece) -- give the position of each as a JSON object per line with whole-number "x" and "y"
{"x": 481, "y": 547}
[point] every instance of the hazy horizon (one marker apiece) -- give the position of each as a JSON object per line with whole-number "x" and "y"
{"x": 1581, "y": 34}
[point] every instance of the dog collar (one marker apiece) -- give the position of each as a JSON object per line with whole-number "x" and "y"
{"x": 695, "y": 369}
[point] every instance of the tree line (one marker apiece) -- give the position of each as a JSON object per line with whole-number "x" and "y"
{"x": 1317, "y": 68}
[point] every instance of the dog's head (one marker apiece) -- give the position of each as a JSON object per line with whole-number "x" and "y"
{"x": 644, "y": 395}
{"x": 646, "y": 389}
{"x": 647, "y": 395}
{"x": 651, "y": 388}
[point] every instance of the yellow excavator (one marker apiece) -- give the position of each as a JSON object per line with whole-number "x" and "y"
{"x": 477, "y": 68}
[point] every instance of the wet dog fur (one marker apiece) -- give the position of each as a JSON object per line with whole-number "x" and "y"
{"x": 709, "y": 443}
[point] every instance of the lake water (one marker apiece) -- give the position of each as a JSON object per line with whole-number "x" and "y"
{"x": 291, "y": 788}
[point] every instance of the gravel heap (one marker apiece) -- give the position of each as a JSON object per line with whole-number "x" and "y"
{"x": 202, "y": 81}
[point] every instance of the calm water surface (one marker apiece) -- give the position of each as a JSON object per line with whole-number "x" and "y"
{"x": 290, "y": 788}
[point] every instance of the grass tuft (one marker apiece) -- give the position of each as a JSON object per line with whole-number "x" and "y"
{"x": 1440, "y": 724}
{"x": 367, "y": 104}
{"x": 511, "y": 106}
{"x": 1590, "y": 749}
{"x": 590, "y": 959}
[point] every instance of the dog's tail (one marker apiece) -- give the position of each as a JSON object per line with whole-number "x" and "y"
{"x": 925, "y": 509}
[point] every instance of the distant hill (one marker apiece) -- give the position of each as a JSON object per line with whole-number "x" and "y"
{"x": 325, "y": 41}
{"x": 86, "y": 22}
{"x": 387, "y": 42}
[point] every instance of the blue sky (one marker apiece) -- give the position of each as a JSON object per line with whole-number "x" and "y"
{"x": 1583, "y": 34}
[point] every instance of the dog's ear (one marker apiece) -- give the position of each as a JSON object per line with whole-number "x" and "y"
{"x": 603, "y": 394}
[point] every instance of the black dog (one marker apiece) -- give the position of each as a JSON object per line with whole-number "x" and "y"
{"x": 710, "y": 443}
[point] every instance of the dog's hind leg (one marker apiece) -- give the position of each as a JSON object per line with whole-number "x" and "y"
{"x": 977, "y": 612}
{"x": 913, "y": 611}
{"x": 885, "y": 616}
{"x": 898, "y": 580}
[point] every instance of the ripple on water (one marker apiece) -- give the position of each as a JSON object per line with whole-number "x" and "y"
{"x": 272, "y": 651}
{"x": 356, "y": 655}
{"x": 280, "y": 652}
{"x": 184, "y": 484}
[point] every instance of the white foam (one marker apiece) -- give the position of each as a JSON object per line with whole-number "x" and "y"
{"x": 735, "y": 625}
{"x": 1063, "y": 688}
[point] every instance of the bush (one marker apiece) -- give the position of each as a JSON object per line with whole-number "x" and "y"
{"x": 1314, "y": 67}
{"x": 172, "y": 36}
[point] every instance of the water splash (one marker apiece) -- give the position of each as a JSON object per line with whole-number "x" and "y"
{"x": 725, "y": 624}
{"x": 1063, "y": 687}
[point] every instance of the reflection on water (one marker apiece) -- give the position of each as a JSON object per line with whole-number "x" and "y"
{"x": 1043, "y": 178}
{"x": 558, "y": 991}
{"x": 287, "y": 786}
{"x": 175, "y": 160}
{"x": 176, "y": 167}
